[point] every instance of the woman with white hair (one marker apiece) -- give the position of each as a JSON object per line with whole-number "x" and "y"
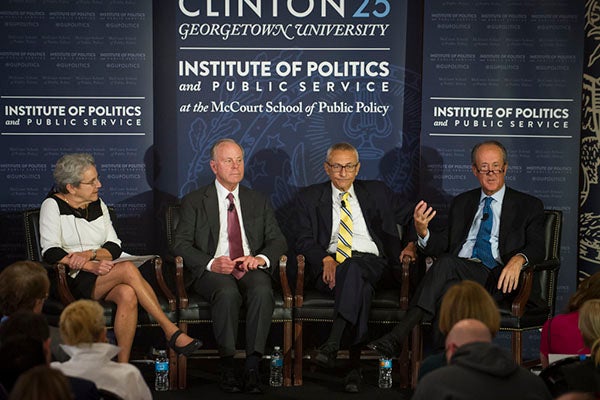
{"x": 76, "y": 230}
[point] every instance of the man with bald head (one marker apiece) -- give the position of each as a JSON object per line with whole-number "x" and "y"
{"x": 479, "y": 369}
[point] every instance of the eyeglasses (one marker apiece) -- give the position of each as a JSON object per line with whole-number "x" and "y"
{"x": 339, "y": 167}
{"x": 93, "y": 182}
{"x": 487, "y": 171}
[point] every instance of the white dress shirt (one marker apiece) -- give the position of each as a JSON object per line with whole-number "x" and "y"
{"x": 361, "y": 239}
{"x": 92, "y": 361}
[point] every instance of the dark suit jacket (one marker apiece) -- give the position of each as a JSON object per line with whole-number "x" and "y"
{"x": 197, "y": 233}
{"x": 381, "y": 208}
{"x": 521, "y": 226}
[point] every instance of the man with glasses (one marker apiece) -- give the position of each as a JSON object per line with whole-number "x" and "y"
{"x": 347, "y": 231}
{"x": 492, "y": 233}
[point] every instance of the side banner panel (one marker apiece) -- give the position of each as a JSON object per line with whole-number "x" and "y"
{"x": 589, "y": 213}
{"x": 511, "y": 72}
{"x": 75, "y": 77}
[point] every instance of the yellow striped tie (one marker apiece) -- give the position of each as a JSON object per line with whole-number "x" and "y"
{"x": 344, "y": 247}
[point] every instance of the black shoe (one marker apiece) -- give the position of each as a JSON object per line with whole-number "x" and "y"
{"x": 252, "y": 382}
{"x": 385, "y": 346}
{"x": 186, "y": 350}
{"x": 323, "y": 357}
{"x": 229, "y": 383}
{"x": 352, "y": 381}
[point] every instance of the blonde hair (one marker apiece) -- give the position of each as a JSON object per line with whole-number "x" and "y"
{"x": 468, "y": 300}
{"x": 82, "y": 322}
{"x": 589, "y": 325}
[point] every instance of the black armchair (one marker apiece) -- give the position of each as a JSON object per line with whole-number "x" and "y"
{"x": 311, "y": 306}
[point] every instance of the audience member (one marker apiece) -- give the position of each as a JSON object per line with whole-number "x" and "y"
{"x": 347, "y": 230}
{"x": 478, "y": 369}
{"x": 42, "y": 383}
{"x": 25, "y": 343}
{"x": 82, "y": 328}
{"x": 560, "y": 334}
{"x": 230, "y": 242}
{"x": 582, "y": 374}
{"x": 24, "y": 285}
{"x": 465, "y": 300}
{"x": 472, "y": 245}
{"x": 76, "y": 230}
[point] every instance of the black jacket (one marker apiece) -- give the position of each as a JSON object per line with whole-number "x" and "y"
{"x": 481, "y": 371}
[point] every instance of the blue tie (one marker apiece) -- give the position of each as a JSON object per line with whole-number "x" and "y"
{"x": 483, "y": 247}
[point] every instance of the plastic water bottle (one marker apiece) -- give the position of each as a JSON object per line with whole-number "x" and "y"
{"x": 385, "y": 373}
{"x": 161, "y": 371}
{"x": 276, "y": 370}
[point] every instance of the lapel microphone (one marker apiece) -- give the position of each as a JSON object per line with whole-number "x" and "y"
{"x": 343, "y": 204}
{"x": 485, "y": 217}
{"x": 231, "y": 206}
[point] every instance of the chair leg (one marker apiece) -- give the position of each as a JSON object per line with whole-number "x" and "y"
{"x": 298, "y": 353}
{"x": 404, "y": 364}
{"x": 287, "y": 353}
{"x": 416, "y": 354}
{"x": 173, "y": 369}
{"x": 182, "y": 361}
{"x": 517, "y": 346}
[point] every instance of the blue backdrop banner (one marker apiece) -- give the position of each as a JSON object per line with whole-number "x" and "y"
{"x": 75, "y": 77}
{"x": 510, "y": 72}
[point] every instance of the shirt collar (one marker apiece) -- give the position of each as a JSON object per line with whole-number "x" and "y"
{"x": 222, "y": 192}
{"x": 498, "y": 196}
{"x": 337, "y": 193}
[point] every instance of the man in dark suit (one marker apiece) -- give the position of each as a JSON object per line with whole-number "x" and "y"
{"x": 492, "y": 233}
{"x": 230, "y": 241}
{"x": 349, "y": 267}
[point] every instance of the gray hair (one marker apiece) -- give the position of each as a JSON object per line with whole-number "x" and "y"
{"x": 213, "y": 149}
{"x": 69, "y": 169}
{"x": 342, "y": 146}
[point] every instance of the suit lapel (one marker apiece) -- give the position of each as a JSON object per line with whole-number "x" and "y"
{"x": 324, "y": 210}
{"x": 507, "y": 218}
{"x": 211, "y": 207}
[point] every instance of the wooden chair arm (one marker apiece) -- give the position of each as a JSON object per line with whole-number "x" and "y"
{"x": 285, "y": 285}
{"x": 524, "y": 290}
{"x": 522, "y": 297}
{"x": 184, "y": 300}
{"x": 64, "y": 293}
{"x": 162, "y": 284}
{"x": 405, "y": 285}
{"x": 299, "y": 296}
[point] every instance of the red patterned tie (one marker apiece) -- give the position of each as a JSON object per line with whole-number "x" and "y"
{"x": 234, "y": 234}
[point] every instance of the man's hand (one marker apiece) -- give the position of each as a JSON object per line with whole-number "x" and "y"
{"x": 409, "y": 251}
{"x": 247, "y": 263}
{"x": 329, "y": 266}
{"x": 222, "y": 265}
{"x": 509, "y": 278}
{"x": 422, "y": 216}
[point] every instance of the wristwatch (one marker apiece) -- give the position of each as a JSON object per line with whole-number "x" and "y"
{"x": 93, "y": 254}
